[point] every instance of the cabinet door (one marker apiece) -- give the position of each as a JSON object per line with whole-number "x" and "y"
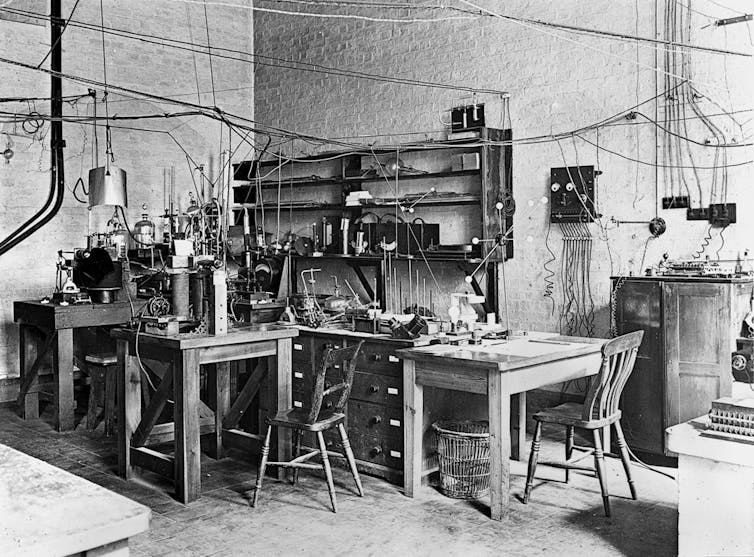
{"x": 639, "y": 307}
{"x": 697, "y": 348}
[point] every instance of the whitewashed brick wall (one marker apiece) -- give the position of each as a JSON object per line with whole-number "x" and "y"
{"x": 28, "y": 271}
{"x": 555, "y": 85}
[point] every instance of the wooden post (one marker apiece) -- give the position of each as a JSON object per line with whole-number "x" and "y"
{"x": 129, "y": 404}
{"x": 283, "y": 389}
{"x": 186, "y": 418}
{"x": 413, "y": 430}
{"x": 27, "y": 353}
{"x": 219, "y": 383}
{"x": 499, "y": 409}
{"x": 62, "y": 365}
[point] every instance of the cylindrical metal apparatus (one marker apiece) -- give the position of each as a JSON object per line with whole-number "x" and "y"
{"x": 197, "y": 293}
{"x": 180, "y": 293}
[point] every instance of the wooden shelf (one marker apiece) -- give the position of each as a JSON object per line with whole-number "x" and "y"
{"x": 430, "y": 256}
{"x": 313, "y": 181}
{"x": 418, "y": 176}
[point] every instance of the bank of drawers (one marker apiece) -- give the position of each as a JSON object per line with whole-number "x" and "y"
{"x": 374, "y": 416}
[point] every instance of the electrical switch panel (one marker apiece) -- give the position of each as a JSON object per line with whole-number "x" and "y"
{"x": 572, "y": 194}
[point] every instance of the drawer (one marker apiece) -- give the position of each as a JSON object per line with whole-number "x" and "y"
{"x": 385, "y": 452}
{"x": 301, "y": 352}
{"x": 302, "y": 398}
{"x": 375, "y": 356}
{"x": 380, "y": 389}
{"x": 375, "y": 419}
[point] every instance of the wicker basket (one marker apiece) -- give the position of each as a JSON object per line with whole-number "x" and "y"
{"x": 463, "y": 452}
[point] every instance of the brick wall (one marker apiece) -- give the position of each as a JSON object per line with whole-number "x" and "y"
{"x": 28, "y": 271}
{"x": 555, "y": 85}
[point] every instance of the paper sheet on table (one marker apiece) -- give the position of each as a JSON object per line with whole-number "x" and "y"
{"x": 526, "y": 348}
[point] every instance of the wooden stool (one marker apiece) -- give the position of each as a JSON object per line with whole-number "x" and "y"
{"x": 101, "y": 390}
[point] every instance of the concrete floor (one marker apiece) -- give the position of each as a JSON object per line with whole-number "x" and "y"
{"x": 560, "y": 519}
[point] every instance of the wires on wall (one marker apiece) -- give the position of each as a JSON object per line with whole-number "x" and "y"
{"x": 577, "y": 308}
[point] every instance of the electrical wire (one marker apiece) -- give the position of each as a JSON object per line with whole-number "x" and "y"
{"x": 57, "y": 41}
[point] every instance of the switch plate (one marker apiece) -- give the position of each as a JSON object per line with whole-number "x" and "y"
{"x": 572, "y": 194}
{"x": 722, "y": 214}
{"x": 697, "y": 213}
{"x": 675, "y": 202}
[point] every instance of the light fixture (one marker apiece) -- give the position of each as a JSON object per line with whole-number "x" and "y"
{"x": 107, "y": 186}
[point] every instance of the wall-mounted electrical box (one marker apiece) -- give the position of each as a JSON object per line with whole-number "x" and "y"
{"x": 467, "y": 117}
{"x": 572, "y": 194}
{"x": 722, "y": 214}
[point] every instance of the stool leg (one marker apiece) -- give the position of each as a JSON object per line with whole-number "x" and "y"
{"x": 109, "y": 400}
{"x": 533, "y": 455}
{"x": 568, "y": 449}
{"x": 349, "y": 457}
{"x": 297, "y": 434}
{"x": 262, "y": 466}
{"x": 328, "y": 471}
{"x": 599, "y": 465}
{"x": 91, "y": 413}
{"x": 95, "y": 397}
{"x": 625, "y": 457}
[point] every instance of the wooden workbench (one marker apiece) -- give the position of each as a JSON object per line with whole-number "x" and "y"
{"x": 47, "y": 511}
{"x": 56, "y": 324}
{"x": 184, "y": 354}
{"x": 500, "y": 370}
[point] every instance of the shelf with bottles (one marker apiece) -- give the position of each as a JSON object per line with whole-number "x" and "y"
{"x": 449, "y": 182}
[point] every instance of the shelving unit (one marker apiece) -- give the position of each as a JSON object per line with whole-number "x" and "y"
{"x": 308, "y": 197}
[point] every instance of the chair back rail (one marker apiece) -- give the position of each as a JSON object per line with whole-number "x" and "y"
{"x": 618, "y": 358}
{"x": 345, "y": 360}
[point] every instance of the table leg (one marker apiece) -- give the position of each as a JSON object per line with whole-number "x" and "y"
{"x": 129, "y": 404}
{"x": 219, "y": 382}
{"x": 283, "y": 389}
{"x": 188, "y": 481}
{"x": 413, "y": 429}
{"x": 62, "y": 364}
{"x": 27, "y": 354}
{"x": 499, "y": 408}
{"x": 518, "y": 434}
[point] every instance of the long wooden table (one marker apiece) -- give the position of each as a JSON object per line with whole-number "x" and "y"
{"x": 184, "y": 354}
{"x": 48, "y": 511}
{"x": 500, "y": 370}
{"x": 56, "y": 324}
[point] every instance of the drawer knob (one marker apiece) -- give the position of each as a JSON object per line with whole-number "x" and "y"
{"x": 377, "y": 419}
{"x": 375, "y": 451}
{"x": 377, "y": 357}
{"x": 375, "y": 388}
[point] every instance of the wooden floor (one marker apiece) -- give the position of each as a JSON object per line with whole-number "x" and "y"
{"x": 560, "y": 519}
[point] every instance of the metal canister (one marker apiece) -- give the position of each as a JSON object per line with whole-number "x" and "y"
{"x": 119, "y": 241}
{"x": 144, "y": 231}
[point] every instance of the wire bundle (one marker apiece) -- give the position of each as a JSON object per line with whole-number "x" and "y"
{"x": 577, "y": 309}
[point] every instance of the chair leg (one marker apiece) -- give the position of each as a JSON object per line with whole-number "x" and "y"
{"x": 349, "y": 457}
{"x": 625, "y": 457}
{"x": 599, "y": 465}
{"x": 262, "y": 466}
{"x": 533, "y": 455}
{"x": 568, "y": 449}
{"x": 297, "y": 434}
{"x": 328, "y": 471}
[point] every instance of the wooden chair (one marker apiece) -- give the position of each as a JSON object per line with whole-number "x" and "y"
{"x": 600, "y": 410}
{"x": 317, "y": 419}
{"x": 101, "y": 368}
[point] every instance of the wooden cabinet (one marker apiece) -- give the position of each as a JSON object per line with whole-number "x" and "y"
{"x": 374, "y": 415}
{"x": 690, "y": 328}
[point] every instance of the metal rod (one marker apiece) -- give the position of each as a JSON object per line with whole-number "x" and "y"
{"x": 410, "y": 288}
